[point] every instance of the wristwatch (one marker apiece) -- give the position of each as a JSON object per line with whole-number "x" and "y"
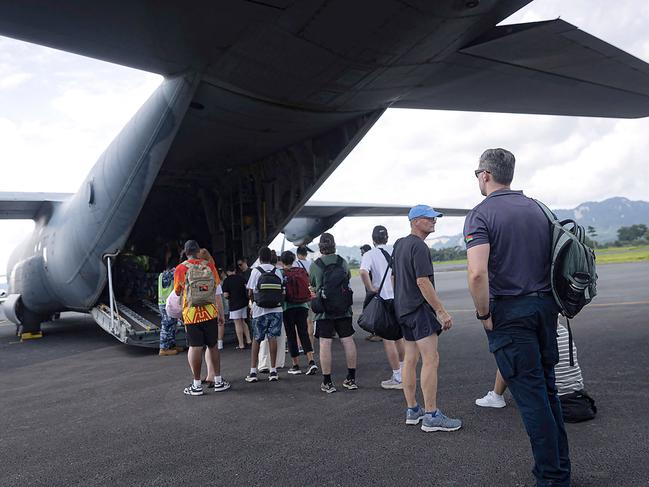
{"x": 483, "y": 317}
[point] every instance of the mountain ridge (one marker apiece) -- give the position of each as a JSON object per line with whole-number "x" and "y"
{"x": 604, "y": 216}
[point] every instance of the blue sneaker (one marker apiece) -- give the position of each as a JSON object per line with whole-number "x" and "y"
{"x": 440, "y": 422}
{"x": 413, "y": 416}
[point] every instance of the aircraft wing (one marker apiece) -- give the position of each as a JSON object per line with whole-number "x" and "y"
{"x": 319, "y": 209}
{"x": 548, "y": 67}
{"x": 27, "y": 206}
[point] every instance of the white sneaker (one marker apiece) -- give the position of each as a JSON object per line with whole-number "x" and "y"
{"x": 491, "y": 400}
{"x": 391, "y": 383}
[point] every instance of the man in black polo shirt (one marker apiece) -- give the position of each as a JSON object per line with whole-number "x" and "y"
{"x": 508, "y": 251}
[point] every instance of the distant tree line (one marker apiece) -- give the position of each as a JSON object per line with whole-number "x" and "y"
{"x": 631, "y": 235}
{"x": 450, "y": 253}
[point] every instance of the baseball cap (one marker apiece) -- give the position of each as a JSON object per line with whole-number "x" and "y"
{"x": 423, "y": 211}
{"x": 379, "y": 234}
{"x": 191, "y": 247}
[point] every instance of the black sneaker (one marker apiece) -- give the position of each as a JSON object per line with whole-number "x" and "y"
{"x": 224, "y": 385}
{"x": 350, "y": 384}
{"x": 313, "y": 368}
{"x": 295, "y": 370}
{"x": 328, "y": 388}
{"x": 193, "y": 391}
{"x": 263, "y": 371}
{"x": 251, "y": 377}
{"x": 272, "y": 377}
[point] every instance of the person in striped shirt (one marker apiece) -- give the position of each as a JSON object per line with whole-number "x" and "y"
{"x": 568, "y": 378}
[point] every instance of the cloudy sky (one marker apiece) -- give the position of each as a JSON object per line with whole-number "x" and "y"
{"x": 59, "y": 111}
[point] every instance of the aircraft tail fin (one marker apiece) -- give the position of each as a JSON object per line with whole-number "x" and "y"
{"x": 549, "y": 67}
{"x": 27, "y": 206}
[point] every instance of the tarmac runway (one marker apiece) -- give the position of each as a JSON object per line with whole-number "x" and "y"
{"x": 80, "y": 408}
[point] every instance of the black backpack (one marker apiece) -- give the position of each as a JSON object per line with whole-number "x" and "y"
{"x": 334, "y": 296}
{"x": 269, "y": 291}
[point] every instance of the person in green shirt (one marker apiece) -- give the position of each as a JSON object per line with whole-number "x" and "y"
{"x": 328, "y": 324}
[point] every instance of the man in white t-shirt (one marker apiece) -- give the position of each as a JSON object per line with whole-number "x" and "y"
{"x": 374, "y": 265}
{"x": 301, "y": 260}
{"x": 266, "y": 322}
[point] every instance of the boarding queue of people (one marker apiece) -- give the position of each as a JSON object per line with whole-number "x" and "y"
{"x": 507, "y": 238}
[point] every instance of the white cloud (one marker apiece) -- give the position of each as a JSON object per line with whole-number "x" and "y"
{"x": 9, "y": 80}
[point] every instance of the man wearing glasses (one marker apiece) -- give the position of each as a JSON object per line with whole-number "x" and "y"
{"x": 508, "y": 251}
{"x": 422, "y": 317}
{"x": 244, "y": 270}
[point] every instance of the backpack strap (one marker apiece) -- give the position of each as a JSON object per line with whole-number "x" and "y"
{"x": 387, "y": 256}
{"x": 319, "y": 263}
{"x": 299, "y": 262}
{"x": 385, "y": 274}
{"x": 262, "y": 271}
{"x": 547, "y": 211}
{"x": 572, "y": 355}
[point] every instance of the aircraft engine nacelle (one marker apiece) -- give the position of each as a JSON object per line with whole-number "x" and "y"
{"x": 30, "y": 278}
{"x": 11, "y": 308}
{"x": 302, "y": 230}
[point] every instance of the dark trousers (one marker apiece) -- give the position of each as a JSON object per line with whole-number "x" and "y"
{"x": 524, "y": 343}
{"x": 295, "y": 319}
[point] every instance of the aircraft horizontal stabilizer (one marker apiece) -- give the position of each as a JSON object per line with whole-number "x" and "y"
{"x": 550, "y": 68}
{"x": 318, "y": 209}
{"x": 27, "y": 206}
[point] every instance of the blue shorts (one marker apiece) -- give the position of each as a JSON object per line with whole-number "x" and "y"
{"x": 267, "y": 325}
{"x": 420, "y": 324}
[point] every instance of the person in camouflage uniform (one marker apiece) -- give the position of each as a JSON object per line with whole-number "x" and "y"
{"x": 167, "y": 323}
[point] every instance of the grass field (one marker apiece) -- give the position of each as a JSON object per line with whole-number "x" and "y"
{"x": 609, "y": 255}
{"x": 615, "y": 255}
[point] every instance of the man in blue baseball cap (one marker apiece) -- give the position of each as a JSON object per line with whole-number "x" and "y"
{"x": 423, "y": 317}
{"x": 423, "y": 211}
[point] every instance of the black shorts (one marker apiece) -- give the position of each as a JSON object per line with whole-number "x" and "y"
{"x": 420, "y": 324}
{"x": 203, "y": 333}
{"x": 329, "y": 328}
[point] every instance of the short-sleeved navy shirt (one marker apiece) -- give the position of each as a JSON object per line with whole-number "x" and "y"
{"x": 410, "y": 260}
{"x": 518, "y": 234}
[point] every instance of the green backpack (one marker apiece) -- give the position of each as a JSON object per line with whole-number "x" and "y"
{"x": 572, "y": 269}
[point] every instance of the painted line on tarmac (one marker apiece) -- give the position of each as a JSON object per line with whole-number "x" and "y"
{"x": 593, "y": 305}
{"x": 621, "y": 303}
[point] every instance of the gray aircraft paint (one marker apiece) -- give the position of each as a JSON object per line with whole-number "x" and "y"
{"x": 60, "y": 266}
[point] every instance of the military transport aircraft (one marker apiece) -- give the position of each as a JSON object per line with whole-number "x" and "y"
{"x": 257, "y": 90}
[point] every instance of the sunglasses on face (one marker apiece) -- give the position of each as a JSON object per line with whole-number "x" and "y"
{"x": 478, "y": 171}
